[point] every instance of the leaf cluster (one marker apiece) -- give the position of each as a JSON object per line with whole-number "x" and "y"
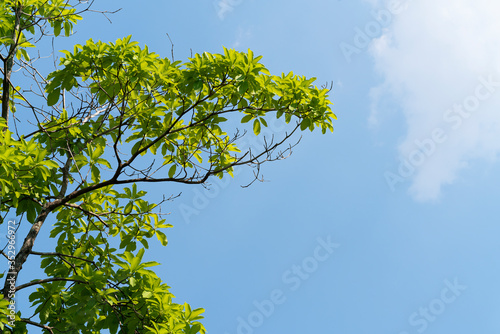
{"x": 115, "y": 116}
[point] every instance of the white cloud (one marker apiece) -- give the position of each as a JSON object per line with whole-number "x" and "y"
{"x": 437, "y": 54}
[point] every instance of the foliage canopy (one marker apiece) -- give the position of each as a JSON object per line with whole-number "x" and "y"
{"x": 110, "y": 118}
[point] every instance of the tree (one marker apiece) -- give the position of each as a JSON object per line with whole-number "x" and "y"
{"x": 110, "y": 119}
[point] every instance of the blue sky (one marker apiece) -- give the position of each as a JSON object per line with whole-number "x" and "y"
{"x": 388, "y": 225}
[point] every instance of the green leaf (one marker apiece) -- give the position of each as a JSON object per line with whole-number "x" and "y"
{"x": 25, "y": 54}
{"x": 140, "y": 254}
{"x": 246, "y": 119}
{"x": 134, "y": 264}
{"x": 171, "y": 171}
{"x": 96, "y": 174}
{"x": 243, "y": 87}
{"x": 128, "y": 208}
{"x": 256, "y": 127}
{"x": 67, "y": 28}
{"x": 53, "y": 97}
{"x": 133, "y": 281}
{"x": 162, "y": 237}
{"x": 305, "y": 124}
{"x": 57, "y": 28}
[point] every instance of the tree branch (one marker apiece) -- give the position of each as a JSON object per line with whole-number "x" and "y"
{"x": 24, "y": 252}
{"x": 48, "y": 280}
{"x": 61, "y": 255}
{"x": 9, "y": 64}
{"x": 28, "y": 321}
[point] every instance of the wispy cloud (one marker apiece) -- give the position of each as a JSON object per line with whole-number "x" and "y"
{"x": 242, "y": 36}
{"x": 438, "y": 60}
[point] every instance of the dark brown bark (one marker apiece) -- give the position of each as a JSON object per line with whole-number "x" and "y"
{"x": 9, "y": 64}
{"x": 21, "y": 257}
